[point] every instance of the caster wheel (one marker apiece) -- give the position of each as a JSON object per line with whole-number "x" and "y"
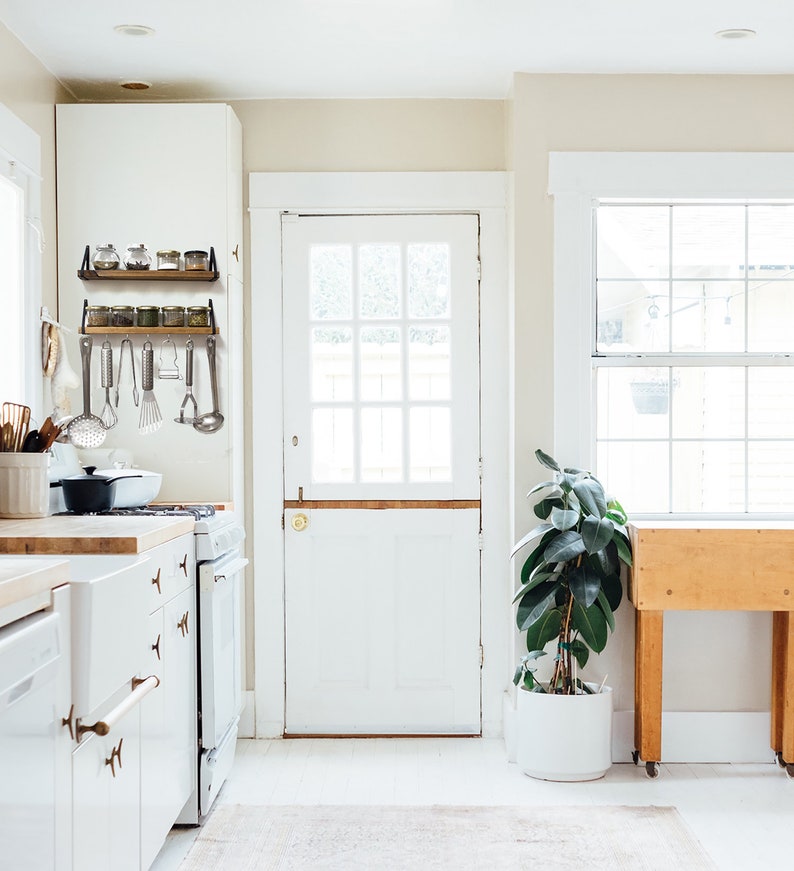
{"x": 635, "y": 756}
{"x": 779, "y": 758}
{"x": 652, "y": 769}
{"x": 790, "y": 771}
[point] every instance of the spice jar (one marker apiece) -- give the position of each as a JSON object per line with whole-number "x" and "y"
{"x": 196, "y": 260}
{"x": 97, "y": 316}
{"x": 148, "y": 316}
{"x": 168, "y": 260}
{"x": 106, "y": 257}
{"x": 198, "y": 316}
{"x": 173, "y": 316}
{"x": 122, "y": 316}
{"x": 137, "y": 257}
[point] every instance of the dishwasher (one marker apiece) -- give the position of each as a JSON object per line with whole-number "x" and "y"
{"x": 29, "y": 655}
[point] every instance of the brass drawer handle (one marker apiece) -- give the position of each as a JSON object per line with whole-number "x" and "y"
{"x": 67, "y": 721}
{"x": 182, "y": 625}
{"x": 235, "y": 253}
{"x": 156, "y": 647}
{"x": 115, "y": 754}
{"x": 183, "y": 565}
{"x": 156, "y": 581}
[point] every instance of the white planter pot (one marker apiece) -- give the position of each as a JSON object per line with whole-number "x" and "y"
{"x": 564, "y": 737}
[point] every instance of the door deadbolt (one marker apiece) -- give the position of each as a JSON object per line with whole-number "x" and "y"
{"x": 299, "y": 521}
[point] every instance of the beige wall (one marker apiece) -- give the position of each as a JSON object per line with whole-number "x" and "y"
{"x": 31, "y": 92}
{"x": 630, "y": 113}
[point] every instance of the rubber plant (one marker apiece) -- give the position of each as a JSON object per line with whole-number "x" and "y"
{"x": 570, "y": 581}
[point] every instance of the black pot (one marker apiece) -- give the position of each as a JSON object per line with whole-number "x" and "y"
{"x": 89, "y": 493}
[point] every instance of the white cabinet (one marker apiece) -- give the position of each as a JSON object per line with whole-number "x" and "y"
{"x": 168, "y": 175}
{"x": 168, "y": 717}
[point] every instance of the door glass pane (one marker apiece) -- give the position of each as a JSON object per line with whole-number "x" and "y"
{"x": 381, "y": 444}
{"x": 379, "y": 362}
{"x": 332, "y": 364}
{"x": 331, "y": 281}
{"x": 708, "y": 316}
{"x": 332, "y": 445}
{"x": 430, "y": 444}
{"x": 771, "y": 476}
{"x": 428, "y": 281}
{"x": 429, "y": 363}
{"x": 379, "y": 281}
{"x": 633, "y": 316}
{"x": 708, "y": 241}
{"x": 633, "y": 242}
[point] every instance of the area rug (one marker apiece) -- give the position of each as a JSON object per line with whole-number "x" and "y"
{"x": 345, "y": 838}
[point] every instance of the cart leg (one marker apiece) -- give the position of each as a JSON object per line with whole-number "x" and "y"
{"x": 648, "y": 627}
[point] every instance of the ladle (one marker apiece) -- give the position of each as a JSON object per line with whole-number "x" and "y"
{"x": 210, "y": 421}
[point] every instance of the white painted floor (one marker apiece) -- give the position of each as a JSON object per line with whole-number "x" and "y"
{"x": 742, "y": 814}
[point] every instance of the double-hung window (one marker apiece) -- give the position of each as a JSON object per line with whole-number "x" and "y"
{"x": 685, "y": 310}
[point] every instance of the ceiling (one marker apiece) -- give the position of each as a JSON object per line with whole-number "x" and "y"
{"x": 265, "y": 49}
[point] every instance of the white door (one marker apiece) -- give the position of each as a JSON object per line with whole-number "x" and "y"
{"x": 381, "y": 470}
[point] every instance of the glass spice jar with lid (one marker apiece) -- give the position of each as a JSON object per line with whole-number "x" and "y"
{"x": 173, "y": 316}
{"x": 196, "y": 260}
{"x": 137, "y": 257}
{"x": 168, "y": 259}
{"x": 198, "y": 316}
{"x": 122, "y": 316}
{"x": 97, "y": 316}
{"x": 148, "y": 316}
{"x": 106, "y": 257}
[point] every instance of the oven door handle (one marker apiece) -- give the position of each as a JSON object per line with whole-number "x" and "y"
{"x": 222, "y": 571}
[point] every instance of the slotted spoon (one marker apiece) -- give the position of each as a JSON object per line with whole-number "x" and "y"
{"x": 108, "y": 417}
{"x": 86, "y": 430}
{"x": 150, "y": 420}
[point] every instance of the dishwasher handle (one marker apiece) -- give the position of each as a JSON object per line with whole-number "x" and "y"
{"x": 140, "y": 688}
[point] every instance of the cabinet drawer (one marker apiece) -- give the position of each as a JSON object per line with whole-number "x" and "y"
{"x": 172, "y": 570}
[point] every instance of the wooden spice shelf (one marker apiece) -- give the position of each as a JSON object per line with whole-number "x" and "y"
{"x": 103, "y": 329}
{"x": 87, "y": 274}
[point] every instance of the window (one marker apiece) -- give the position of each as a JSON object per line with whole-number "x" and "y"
{"x": 674, "y": 328}
{"x": 20, "y": 254}
{"x": 693, "y": 333}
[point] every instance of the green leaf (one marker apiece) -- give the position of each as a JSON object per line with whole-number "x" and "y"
{"x": 535, "y": 559}
{"x": 585, "y": 585}
{"x": 543, "y": 508}
{"x": 547, "y": 461}
{"x": 624, "y": 551}
{"x": 529, "y": 680}
{"x": 565, "y": 546}
{"x": 544, "y": 485}
{"x": 617, "y": 512}
{"x": 534, "y": 604}
{"x": 564, "y": 519}
{"x": 596, "y": 533}
{"x": 591, "y": 625}
{"x": 533, "y": 654}
{"x": 580, "y": 652}
{"x": 534, "y": 581}
{"x": 591, "y": 494}
{"x": 613, "y": 590}
{"x": 605, "y": 561}
{"x": 517, "y": 675}
{"x": 567, "y": 482}
{"x": 530, "y": 536}
{"x": 544, "y": 630}
{"x": 603, "y": 603}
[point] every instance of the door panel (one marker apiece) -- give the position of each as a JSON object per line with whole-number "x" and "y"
{"x": 381, "y": 472}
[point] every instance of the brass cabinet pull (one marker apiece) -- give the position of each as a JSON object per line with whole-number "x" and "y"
{"x": 156, "y": 647}
{"x": 156, "y": 581}
{"x": 183, "y": 565}
{"x": 235, "y": 252}
{"x": 115, "y": 754}
{"x": 182, "y": 624}
{"x": 67, "y": 721}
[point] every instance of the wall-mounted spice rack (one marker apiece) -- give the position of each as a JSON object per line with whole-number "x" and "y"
{"x": 212, "y": 329}
{"x": 87, "y": 274}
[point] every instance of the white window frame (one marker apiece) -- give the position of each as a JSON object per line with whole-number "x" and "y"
{"x": 20, "y": 162}
{"x": 578, "y": 181}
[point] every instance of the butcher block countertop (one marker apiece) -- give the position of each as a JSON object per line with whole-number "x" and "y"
{"x": 23, "y": 579}
{"x": 89, "y": 534}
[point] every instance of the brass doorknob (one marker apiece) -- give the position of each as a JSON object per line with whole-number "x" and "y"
{"x": 299, "y": 521}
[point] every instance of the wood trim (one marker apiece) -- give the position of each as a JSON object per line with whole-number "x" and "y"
{"x": 382, "y": 504}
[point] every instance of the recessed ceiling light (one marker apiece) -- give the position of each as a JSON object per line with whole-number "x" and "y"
{"x": 136, "y": 86}
{"x": 735, "y": 33}
{"x": 134, "y": 29}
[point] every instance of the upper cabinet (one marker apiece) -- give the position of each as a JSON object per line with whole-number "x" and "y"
{"x": 168, "y": 175}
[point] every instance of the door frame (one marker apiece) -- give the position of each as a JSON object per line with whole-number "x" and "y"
{"x": 273, "y": 195}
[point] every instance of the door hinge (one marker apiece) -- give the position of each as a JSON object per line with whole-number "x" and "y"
{"x": 482, "y": 656}
{"x": 479, "y": 468}
{"x": 282, "y": 521}
{"x": 289, "y": 217}
{"x": 479, "y": 269}
{"x": 479, "y": 540}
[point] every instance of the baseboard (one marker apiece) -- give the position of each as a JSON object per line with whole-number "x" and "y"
{"x": 246, "y": 728}
{"x": 687, "y": 736}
